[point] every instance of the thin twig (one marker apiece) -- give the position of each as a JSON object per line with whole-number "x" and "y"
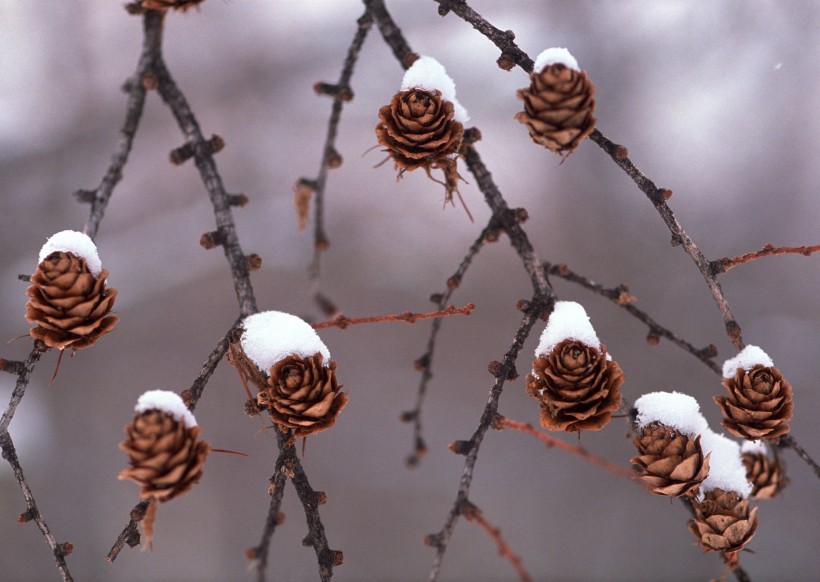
{"x": 194, "y": 393}
{"x": 473, "y": 514}
{"x": 23, "y": 377}
{"x": 724, "y": 264}
{"x": 203, "y": 156}
{"x": 259, "y": 554}
{"x": 130, "y": 534}
{"x": 342, "y": 93}
{"x": 657, "y": 197}
{"x": 311, "y": 500}
{"x": 136, "y": 88}
{"x": 790, "y": 442}
{"x": 425, "y": 363}
{"x": 620, "y": 296}
{"x": 503, "y": 372}
{"x": 343, "y": 322}
{"x": 550, "y": 441}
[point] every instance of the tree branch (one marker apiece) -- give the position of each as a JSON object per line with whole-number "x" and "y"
{"x": 724, "y": 264}
{"x": 342, "y": 322}
{"x": 474, "y": 515}
{"x": 259, "y": 554}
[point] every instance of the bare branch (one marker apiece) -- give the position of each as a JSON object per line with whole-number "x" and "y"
{"x": 474, "y": 515}
{"x": 259, "y": 554}
{"x": 342, "y": 321}
{"x": 130, "y": 534}
{"x": 724, "y": 264}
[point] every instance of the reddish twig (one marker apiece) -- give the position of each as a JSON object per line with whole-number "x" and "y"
{"x": 343, "y": 322}
{"x": 500, "y": 423}
{"x": 724, "y": 264}
{"x": 474, "y": 515}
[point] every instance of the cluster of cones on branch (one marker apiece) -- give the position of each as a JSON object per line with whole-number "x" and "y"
{"x": 577, "y": 386}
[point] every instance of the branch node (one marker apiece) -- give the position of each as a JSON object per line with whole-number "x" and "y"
{"x": 436, "y": 298}
{"x": 676, "y": 240}
{"x": 408, "y": 59}
{"x": 471, "y": 136}
{"x": 461, "y": 447}
{"x": 321, "y": 243}
{"x": 497, "y": 423}
{"x": 432, "y": 540}
{"x": 239, "y": 200}
{"x": 506, "y": 62}
{"x": 279, "y": 518}
{"x": 422, "y": 364}
{"x": 408, "y": 416}
{"x": 334, "y": 158}
{"x": 652, "y": 338}
{"x": 666, "y": 193}
{"x": 216, "y": 144}
{"x": 319, "y": 497}
{"x": 212, "y": 239}
{"x": 26, "y": 516}
{"x": 181, "y": 154}
{"x": 336, "y": 557}
{"x": 287, "y": 469}
{"x": 709, "y": 351}
{"x": 509, "y": 34}
{"x": 521, "y": 215}
{"x": 13, "y": 367}
{"x": 254, "y": 262}
{"x": 453, "y": 282}
{"x": 85, "y": 196}
{"x": 64, "y": 549}
{"x": 149, "y": 81}
{"x": 24, "y": 278}
{"x": 620, "y": 152}
{"x": 522, "y": 305}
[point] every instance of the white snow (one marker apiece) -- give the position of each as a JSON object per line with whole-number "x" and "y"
{"x": 726, "y": 470}
{"x": 71, "y": 241}
{"x": 747, "y": 359}
{"x": 428, "y": 74}
{"x": 555, "y": 55}
{"x": 168, "y": 402}
{"x": 567, "y": 321}
{"x": 672, "y": 409}
{"x": 271, "y": 336}
{"x": 753, "y": 447}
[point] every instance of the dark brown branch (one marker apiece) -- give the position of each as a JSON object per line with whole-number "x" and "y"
{"x": 23, "y": 376}
{"x": 32, "y": 512}
{"x": 503, "y": 39}
{"x": 194, "y": 393}
{"x": 390, "y": 32}
{"x": 473, "y": 514}
{"x": 656, "y": 331}
{"x": 538, "y": 306}
{"x": 203, "y": 156}
{"x": 330, "y": 157}
{"x": 310, "y": 499}
{"x": 130, "y": 534}
{"x": 724, "y": 264}
{"x": 679, "y": 236}
{"x": 13, "y": 367}
{"x": 343, "y": 322}
{"x": 790, "y": 442}
{"x": 259, "y": 554}
{"x": 136, "y": 89}
{"x": 425, "y": 362}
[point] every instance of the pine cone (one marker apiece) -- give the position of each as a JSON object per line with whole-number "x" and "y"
{"x": 766, "y": 475}
{"x": 670, "y": 463}
{"x": 417, "y": 129}
{"x": 69, "y": 305}
{"x": 723, "y": 523}
{"x": 166, "y": 456}
{"x": 759, "y": 403}
{"x": 577, "y": 386}
{"x": 302, "y": 394}
{"x": 558, "y": 107}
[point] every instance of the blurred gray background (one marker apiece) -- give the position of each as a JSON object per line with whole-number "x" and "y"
{"x": 716, "y": 101}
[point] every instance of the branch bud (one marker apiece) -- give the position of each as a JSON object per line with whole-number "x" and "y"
{"x": 254, "y": 262}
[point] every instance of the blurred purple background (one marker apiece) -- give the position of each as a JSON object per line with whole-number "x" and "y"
{"x": 716, "y": 101}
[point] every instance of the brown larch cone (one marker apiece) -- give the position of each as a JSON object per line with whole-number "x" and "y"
{"x": 417, "y": 129}
{"x": 759, "y": 403}
{"x": 766, "y": 475}
{"x": 723, "y": 523}
{"x": 558, "y": 107}
{"x": 577, "y": 386}
{"x": 669, "y": 463}
{"x": 68, "y": 303}
{"x": 166, "y": 456}
{"x": 303, "y": 394}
